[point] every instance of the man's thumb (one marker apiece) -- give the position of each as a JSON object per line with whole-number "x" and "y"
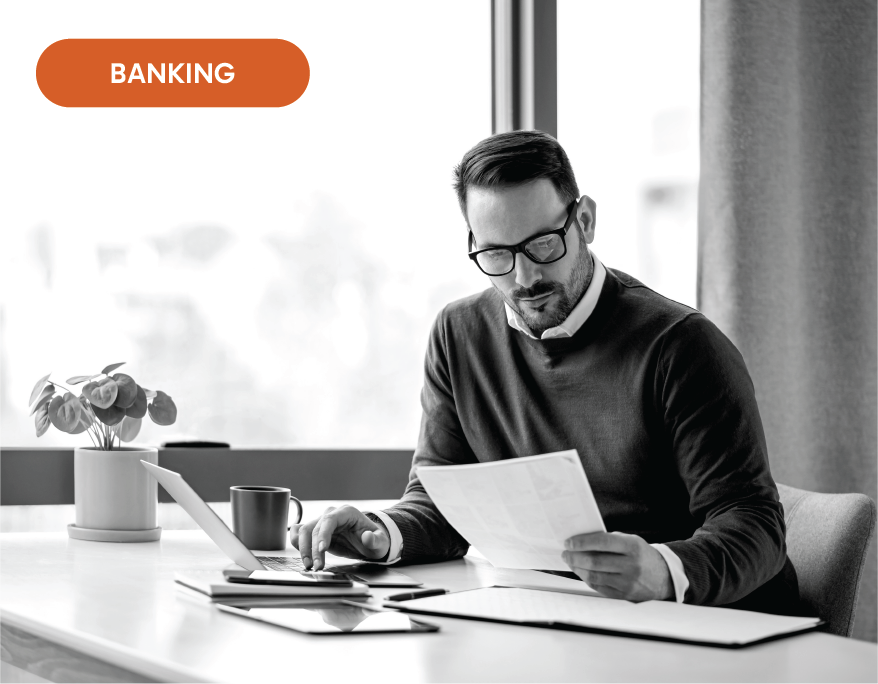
{"x": 373, "y": 540}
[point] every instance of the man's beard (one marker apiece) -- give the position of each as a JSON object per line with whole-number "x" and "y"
{"x": 569, "y": 294}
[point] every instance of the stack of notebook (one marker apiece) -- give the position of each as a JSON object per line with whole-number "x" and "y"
{"x": 213, "y": 586}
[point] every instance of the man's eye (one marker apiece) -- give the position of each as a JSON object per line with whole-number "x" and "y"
{"x": 496, "y": 255}
{"x": 542, "y": 243}
{"x": 544, "y": 248}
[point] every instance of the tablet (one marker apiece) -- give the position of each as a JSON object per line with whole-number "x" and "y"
{"x": 333, "y": 617}
{"x": 299, "y": 578}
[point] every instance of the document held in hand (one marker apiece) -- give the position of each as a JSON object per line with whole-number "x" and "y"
{"x": 517, "y": 512}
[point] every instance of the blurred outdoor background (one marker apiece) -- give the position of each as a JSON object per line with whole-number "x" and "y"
{"x": 276, "y": 271}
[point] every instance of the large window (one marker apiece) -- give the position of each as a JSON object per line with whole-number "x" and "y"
{"x": 276, "y": 271}
{"x": 628, "y": 102}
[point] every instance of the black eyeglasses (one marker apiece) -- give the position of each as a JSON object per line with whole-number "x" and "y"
{"x": 544, "y": 248}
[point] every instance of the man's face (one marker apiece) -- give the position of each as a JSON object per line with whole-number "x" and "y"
{"x": 542, "y": 294}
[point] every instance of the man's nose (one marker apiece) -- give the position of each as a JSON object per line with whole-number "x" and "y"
{"x": 526, "y": 271}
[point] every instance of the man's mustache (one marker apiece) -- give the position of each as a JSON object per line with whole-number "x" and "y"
{"x": 538, "y": 289}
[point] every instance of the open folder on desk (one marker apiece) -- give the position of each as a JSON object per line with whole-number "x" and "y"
{"x": 651, "y": 619}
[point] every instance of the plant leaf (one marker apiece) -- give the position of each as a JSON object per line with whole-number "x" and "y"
{"x": 127, "y": 390}
{"x": 162, "y": 410}
{"x": 128, "y": 428}
{"x": 41, "y": 420}
{"x": 87, "y": 416}
{"x": 53, "y": 410}
{"x": 113, "y": 366}
{"x": 101, "y": 393}
{"x": 44, "y": 398}
{"x": 76, "y": 379}
{"x": 35, "y": 392}
{"x": 138, "y": 408}
{"x": 110, "y": 416}
{"x": 81, "y": 426}
{"x": 65, "y": 412}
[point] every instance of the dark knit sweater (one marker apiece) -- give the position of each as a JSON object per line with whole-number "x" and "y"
{"x": 660, "y": 407}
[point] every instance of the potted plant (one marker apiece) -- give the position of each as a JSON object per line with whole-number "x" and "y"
{"x": 116, "y": 498}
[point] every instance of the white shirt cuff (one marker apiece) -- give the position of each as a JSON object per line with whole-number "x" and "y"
{"x": 675, "y": 565}
{"x": 395, "y": 552}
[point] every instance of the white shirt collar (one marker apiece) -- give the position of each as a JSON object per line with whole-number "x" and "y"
{"x": 577, "y": 317}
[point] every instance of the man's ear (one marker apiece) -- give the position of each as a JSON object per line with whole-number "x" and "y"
{"x": 586, "y": 216}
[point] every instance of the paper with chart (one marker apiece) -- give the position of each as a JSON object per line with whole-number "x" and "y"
{"x": 519, "y": 511}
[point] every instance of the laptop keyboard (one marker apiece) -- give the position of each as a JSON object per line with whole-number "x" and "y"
{"x": 281, "y": 563}
{"x": 287, "y": 563}
{"x": 373, "y": 576}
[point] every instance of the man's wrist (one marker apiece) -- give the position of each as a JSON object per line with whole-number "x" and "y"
{"x": 666, "y": 591}
{"x": 675, "y": 573}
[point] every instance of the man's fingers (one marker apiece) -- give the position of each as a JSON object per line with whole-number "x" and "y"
{"x": 599, "y": 561}
{"x": 348, "y": 545}
{"x": 619, "y": 565}
{"x": 344, "y": 531}
{"x": 322, "y": 537}
{"x": 608, "y": 591}
{"x": 609, "y": 584}
{"x": 304, "y": 544}
{"x": 302, "y": 535}
{"x": 600, "y": 541}
{"x": 374, "y": 539}
{"x": 342, "y": 546}
{"x": 369, "y": 540}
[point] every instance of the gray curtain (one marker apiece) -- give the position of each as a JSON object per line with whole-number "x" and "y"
{"x": 787, "y": 230}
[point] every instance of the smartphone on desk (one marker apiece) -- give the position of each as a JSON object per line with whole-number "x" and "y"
{"x": 335, "y": 617}
{"x": 291, "y": 577}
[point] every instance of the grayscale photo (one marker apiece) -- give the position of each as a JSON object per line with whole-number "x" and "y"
{"x": 486, "y": 341}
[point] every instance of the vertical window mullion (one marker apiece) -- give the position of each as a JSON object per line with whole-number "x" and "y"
{"x": 524, "y": 63}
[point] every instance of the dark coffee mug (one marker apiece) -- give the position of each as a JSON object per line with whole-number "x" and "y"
{"x": 260, "y": 516}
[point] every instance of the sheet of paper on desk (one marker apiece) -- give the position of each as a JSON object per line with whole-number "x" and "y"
{"x": 519, "y": 511}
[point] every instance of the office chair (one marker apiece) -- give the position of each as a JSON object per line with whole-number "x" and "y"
{"x": 827, "y": 539}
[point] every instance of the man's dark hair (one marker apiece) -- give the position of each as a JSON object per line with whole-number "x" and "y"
{"x": 515, "y": 158}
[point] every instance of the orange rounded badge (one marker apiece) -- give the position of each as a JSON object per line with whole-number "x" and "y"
{"x": 236, "y": 72}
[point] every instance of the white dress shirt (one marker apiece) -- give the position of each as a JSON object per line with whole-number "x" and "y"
{"x": 568, "y": 328}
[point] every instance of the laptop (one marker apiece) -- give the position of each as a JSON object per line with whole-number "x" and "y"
{"x": 219, "y": 532}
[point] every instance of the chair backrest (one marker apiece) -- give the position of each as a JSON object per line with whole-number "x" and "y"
{"x": 828, "y": 537}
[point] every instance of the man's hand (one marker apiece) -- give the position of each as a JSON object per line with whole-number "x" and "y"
{"x": 619, "y": 566}
{"x": 344, "y": 531}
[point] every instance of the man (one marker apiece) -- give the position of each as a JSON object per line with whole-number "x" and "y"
{"x": 564, "y": 353}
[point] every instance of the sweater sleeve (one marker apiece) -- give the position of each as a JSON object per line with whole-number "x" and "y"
{"x": 426, "y": 534}
{"x": 712, "y": 422}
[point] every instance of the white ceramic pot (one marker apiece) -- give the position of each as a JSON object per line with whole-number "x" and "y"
{"x": 113, "y": 491}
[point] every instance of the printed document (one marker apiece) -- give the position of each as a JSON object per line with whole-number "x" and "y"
{"x": 519, "y": 511}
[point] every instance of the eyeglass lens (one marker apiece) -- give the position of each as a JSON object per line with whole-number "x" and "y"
{"x": 542, "y": 249}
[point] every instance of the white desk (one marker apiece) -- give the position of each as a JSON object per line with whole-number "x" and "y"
{"x": 117, "y": 603}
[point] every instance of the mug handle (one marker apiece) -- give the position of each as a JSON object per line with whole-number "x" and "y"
{"x": 299, "y": 508}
